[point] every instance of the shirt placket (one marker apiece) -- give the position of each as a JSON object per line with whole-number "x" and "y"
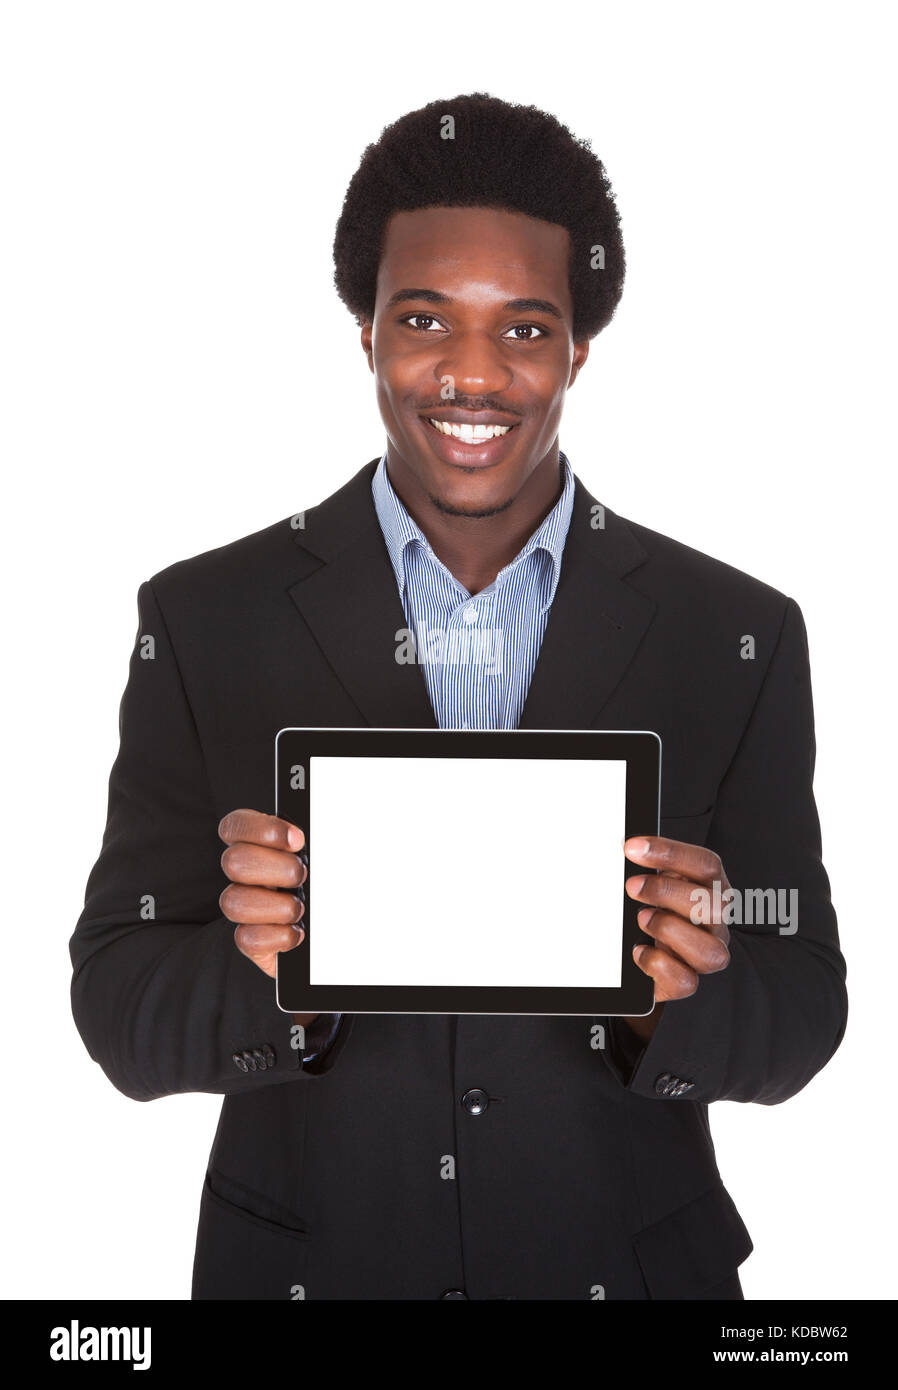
{"x": 471, "y": 684}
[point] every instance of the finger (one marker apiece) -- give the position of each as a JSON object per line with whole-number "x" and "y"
{"x": 694, "y": 901}
{"x": 673, "y": 978}
{"x": 260, "y": 940}
{"x": 257, "y": 828}
{"x": 676, "y": 856}
{"x": 699, "y": 949}
{"x": 257, "y": 906}
{"x": 267, "y": 868}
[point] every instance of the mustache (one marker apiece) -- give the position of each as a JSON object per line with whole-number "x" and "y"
{"x": 458, "y": 402}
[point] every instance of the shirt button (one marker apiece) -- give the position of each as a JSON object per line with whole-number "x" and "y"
{"x": 475, "y": 1101}
{"x": 469, "y": 614}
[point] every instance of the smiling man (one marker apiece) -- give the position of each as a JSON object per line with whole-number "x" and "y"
{"x": 422, "y": 1156}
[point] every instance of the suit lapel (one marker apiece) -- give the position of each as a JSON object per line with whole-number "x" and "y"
{"x": 350, "y": 602}
{"x": 595, "y": 625}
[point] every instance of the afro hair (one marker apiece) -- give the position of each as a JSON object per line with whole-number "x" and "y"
{"x": 495, "y": 154}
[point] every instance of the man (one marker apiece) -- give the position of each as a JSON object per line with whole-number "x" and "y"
{"x": 416, "y": 1156}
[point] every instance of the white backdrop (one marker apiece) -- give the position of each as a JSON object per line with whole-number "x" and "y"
{"x": 178, "y": 372}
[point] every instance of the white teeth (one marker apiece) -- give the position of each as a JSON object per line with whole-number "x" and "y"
{"x": 471, "y": 434}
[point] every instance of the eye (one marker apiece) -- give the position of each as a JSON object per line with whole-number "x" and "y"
{"x": 524, "y": 332}
{"x": 422, "y": 323}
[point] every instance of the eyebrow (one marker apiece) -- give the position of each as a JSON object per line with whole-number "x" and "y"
{"x": 533, "y": 306}
{"x": 518, "y": 306}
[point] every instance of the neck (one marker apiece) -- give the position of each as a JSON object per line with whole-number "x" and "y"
{"x": 475, "y": 548}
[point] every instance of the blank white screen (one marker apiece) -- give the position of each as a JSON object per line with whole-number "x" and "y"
{"x": 466, "y": 871}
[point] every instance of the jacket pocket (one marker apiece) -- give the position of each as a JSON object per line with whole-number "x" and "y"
{"x": 695, "y": 1247}
{"x": 242, "y": 1252}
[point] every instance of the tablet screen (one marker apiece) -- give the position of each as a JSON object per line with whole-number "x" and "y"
{"x": 501, "y": 872}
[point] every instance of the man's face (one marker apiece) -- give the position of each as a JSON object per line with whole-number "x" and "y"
{"x": 473, "y": 330}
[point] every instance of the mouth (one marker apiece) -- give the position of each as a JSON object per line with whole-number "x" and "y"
{"x": 480, "y": 441}
{"x": 470, "y": 434}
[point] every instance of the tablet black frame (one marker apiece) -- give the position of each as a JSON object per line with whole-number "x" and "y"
{"x": 640, "y": 749}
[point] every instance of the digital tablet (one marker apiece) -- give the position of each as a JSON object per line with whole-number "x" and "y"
{"x": 467, "y": 872}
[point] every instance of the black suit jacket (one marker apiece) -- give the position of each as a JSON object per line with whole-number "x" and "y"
{"x": 592, "y": 1171}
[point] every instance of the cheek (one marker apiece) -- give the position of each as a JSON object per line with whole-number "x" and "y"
{"x": 546, "y": 381}
{"x": 551, "y": 396}
{"x": 396, "y": 376}
{"x": 387, "y": 387}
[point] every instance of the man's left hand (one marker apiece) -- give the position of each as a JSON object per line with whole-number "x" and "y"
{"x": 682, "y": 915}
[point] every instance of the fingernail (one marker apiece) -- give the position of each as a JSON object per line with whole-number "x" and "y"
{"x": 635, "y": 885}
{"x": 295, "y": 838}
{"x": 637, "y": 847}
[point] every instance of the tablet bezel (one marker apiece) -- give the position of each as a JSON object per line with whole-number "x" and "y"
{"x": 639, "y": 748}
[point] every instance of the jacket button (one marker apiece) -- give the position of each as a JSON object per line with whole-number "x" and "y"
{"x": 255, "y": 1059}
{"x": 475, "y": 1101}
{"x": 667, "y": 1085}
{"x": 453, "y": 1293}
{"x": 263, "y": 1057}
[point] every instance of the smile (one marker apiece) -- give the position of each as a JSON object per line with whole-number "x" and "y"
{"x": 470, "y": 434}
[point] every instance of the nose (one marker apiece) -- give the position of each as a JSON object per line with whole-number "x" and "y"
{"x": 476, "y": 365}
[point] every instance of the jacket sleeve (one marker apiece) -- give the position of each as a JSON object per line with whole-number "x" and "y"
{"x": 763, "y": 1027}
{"x": 163, "y": 999}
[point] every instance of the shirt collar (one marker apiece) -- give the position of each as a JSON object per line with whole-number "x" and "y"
{"x": 401, "y": 531}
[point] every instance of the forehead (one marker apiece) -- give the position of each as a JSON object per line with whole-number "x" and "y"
{"x": 475, "y": 251}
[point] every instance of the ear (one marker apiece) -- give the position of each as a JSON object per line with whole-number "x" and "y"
{"x": 367, "y": 346}
{"x": 581, "y": 352}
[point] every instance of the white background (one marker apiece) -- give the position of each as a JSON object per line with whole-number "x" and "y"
{"x": 534, "y": 912}
{"x": 177, "y": 372}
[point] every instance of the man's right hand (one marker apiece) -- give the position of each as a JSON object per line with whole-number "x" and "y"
{"x": 261, "y": 861}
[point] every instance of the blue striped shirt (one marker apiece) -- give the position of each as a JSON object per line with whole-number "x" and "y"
{"x": 478, "y": 652}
